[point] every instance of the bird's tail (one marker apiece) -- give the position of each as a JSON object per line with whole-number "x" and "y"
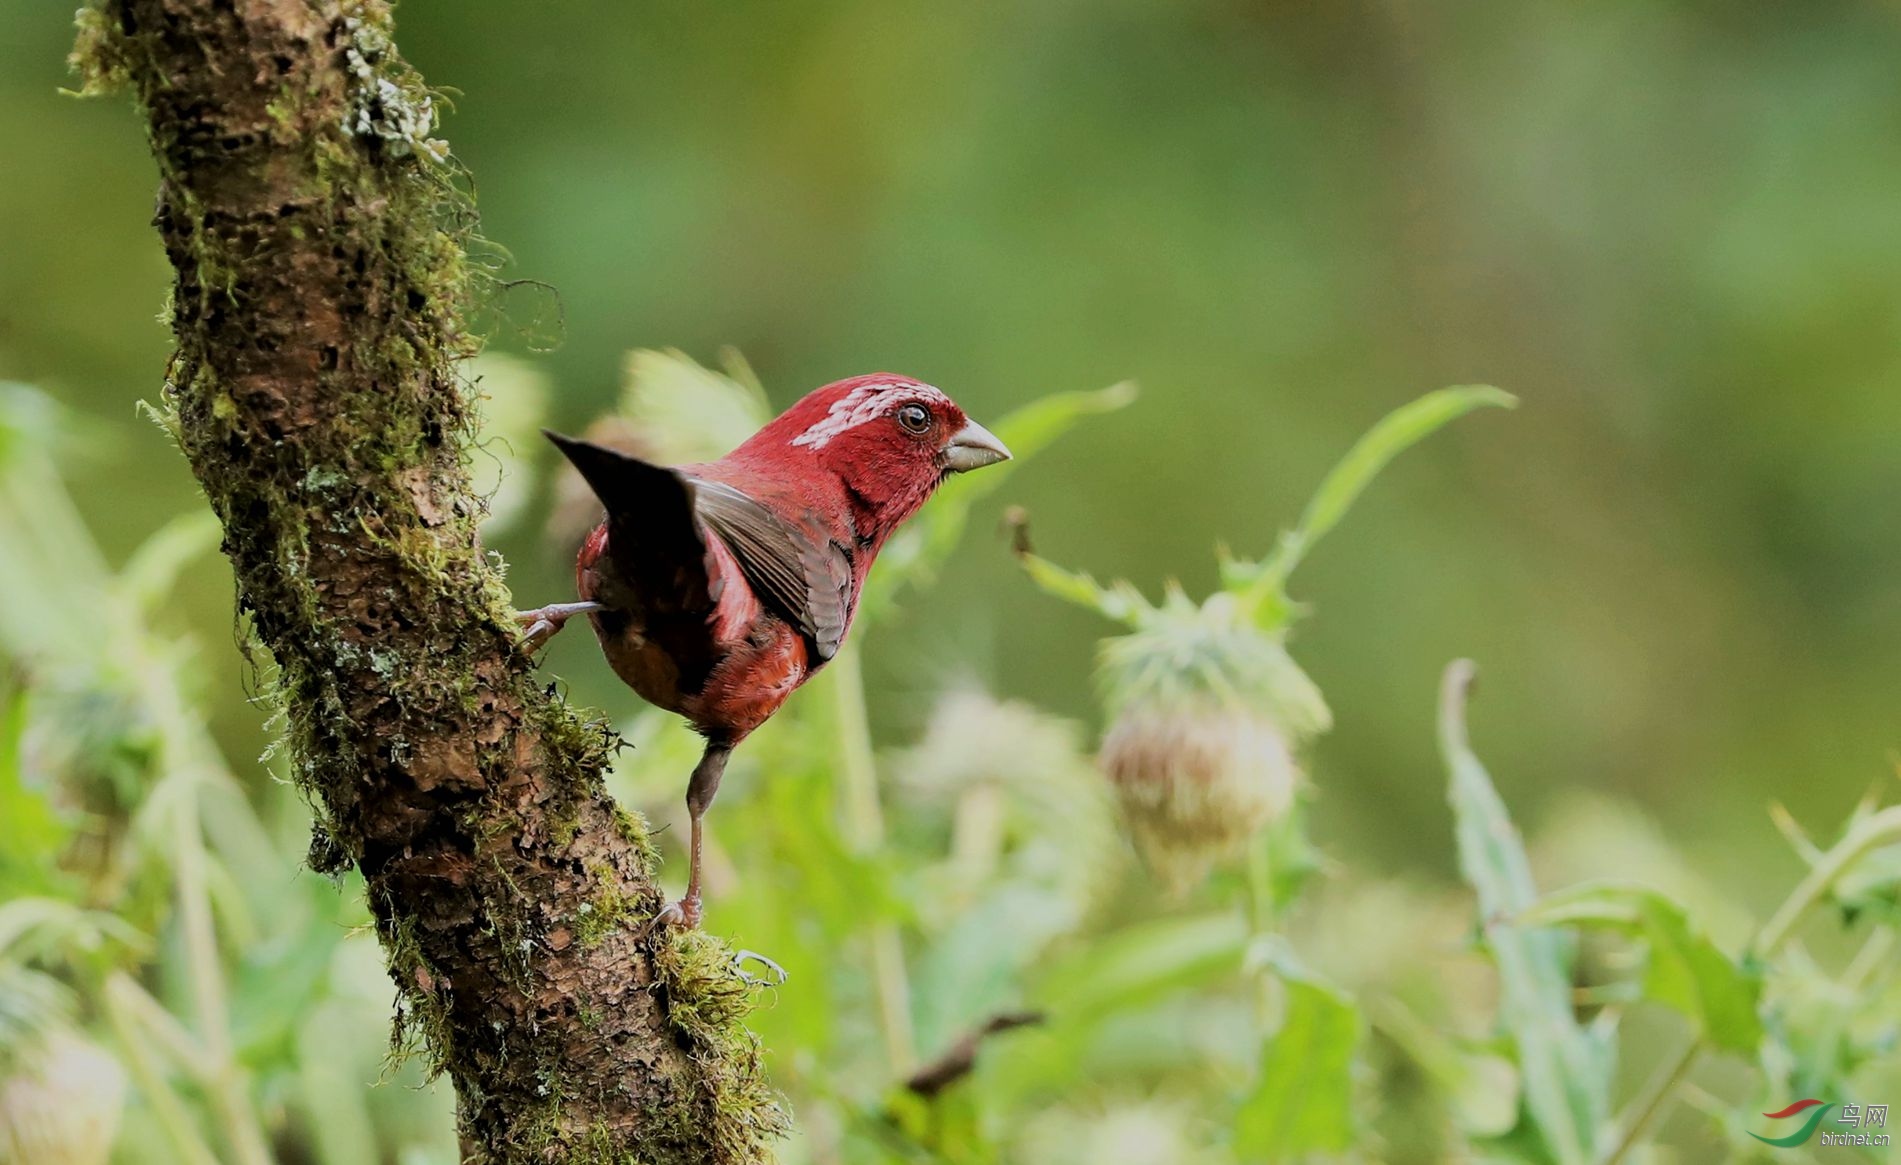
{"x": 626, "y": 485}
{"x": 655, "y": 557}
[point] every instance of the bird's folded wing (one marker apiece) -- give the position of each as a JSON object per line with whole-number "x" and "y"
{"x": 805, "y": 579}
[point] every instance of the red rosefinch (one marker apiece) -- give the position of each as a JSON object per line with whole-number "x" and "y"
{"x": 716, "y": 589}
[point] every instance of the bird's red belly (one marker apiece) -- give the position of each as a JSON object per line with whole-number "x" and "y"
{"x": 751, "y": 679}
{"x": 752, "y": 682}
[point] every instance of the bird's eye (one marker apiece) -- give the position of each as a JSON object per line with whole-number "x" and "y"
{"x": 914, "y": 418}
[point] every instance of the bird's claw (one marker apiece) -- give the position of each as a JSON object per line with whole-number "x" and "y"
{"x": 777, "y": 973}
{"x": 685, "y": 914}
{"x": 544, "y": 622}
{"x": 538, "y": 633}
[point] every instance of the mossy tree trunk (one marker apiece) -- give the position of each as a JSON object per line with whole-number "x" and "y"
{"x": 319, "y": 245}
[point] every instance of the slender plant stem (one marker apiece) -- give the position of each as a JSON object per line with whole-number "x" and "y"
{"x": 1874, "y": 830}
{"x": 194, "y": 762}
{"x": 1873, "y": 954}
{"x": 865, "y": 816}
{"x": 1262, "y": 923}
{"x": 229, "y": 1089}
{"x": 169, "y": 1111}
{"x": 1650, "y": 1102}
{"x": 163, "y": 1027}
{"x": 1261, "y": 912}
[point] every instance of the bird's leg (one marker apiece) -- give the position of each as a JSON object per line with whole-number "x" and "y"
{"x": 543, "y": 622}
{"x": 699, "y": 794}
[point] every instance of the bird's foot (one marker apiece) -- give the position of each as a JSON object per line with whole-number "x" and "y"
{"x": 685, "y": 913}
{"x": 543, "y": 622}
{"x": 775, "y": 975}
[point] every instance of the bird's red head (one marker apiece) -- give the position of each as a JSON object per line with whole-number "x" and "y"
{"x": 888, "y": 439}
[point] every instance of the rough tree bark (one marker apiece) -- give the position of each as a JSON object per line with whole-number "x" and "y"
{"x": 322, "y": 282}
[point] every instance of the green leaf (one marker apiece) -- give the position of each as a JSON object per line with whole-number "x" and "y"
{"x": 1684, "y": 970}
{"x": 1565, "y": 1071}
{"x": 1397, "y": 431}
{"x": 1820, "y": 1037}
{"x": 1119, "y": 602}
{"x": 29, "y": 420}
{"x": 277, "y": 984}
{"x": 1871, "y": 886}
{"x": 1139, "y": 964}
{"x": 54, "y": 930}
{"x": 332, "y": 1097}
{"x": 1479, "y": 1085}
{"x": 1114, "y": 983}
{"x": 512, "y": 403}
{"x": 1303, "y": 1101}
{"x": 1033, "y": 427}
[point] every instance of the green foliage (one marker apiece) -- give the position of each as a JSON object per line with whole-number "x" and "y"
{"x": 683, "y": 412}
{"x": 1142, "y": 963}
{"x": 1675, "y": 566}
{"x": 139, "y": 899}
{"x": 1683, "y": 969}
{"x": 1669, "y": 219}
{"x": 1873, "y": 888}
{"x": 1303, "y": 1102}
{"x": 1209, "y": 711}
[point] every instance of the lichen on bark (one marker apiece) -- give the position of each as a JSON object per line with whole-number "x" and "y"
{"x": 321, "y": 249}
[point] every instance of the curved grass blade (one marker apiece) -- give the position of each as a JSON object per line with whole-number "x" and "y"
{"x": 1398, "y": 431}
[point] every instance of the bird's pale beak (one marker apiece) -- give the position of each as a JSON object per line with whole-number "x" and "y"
{"x": 973, "y": 447}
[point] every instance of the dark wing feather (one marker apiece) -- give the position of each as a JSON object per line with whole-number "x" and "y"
{"x": 805, "y": 579}
{"x": 660, "y": 568}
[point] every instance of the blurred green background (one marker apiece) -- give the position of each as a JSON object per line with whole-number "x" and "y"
{"x": 1670, "y": 228}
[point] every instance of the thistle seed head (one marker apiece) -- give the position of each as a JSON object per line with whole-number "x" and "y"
{"x": 1207, "y": 714}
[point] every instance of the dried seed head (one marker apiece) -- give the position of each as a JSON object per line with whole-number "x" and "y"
{"x": 974, "y": 738}
{"x": 1196, "y": 784}
{"x": 61, "y": 1104}
{"x": 1207, "y": 713}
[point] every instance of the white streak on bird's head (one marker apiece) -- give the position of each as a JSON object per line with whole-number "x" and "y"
{"x": 864, "y": 399}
